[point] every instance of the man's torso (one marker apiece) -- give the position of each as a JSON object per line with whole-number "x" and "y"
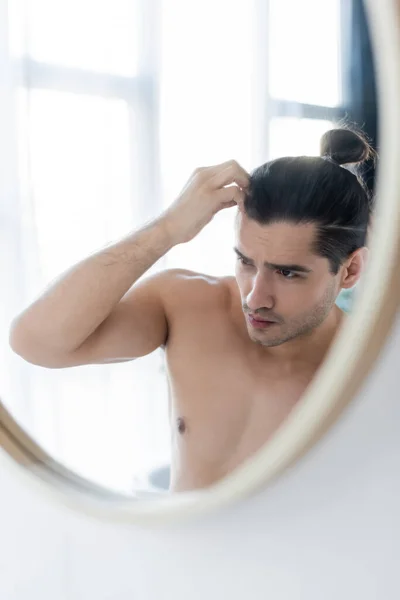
{"x": 227, "y": 397}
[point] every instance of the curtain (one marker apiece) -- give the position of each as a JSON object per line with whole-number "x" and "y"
{"x": 77, "y": 142}
{"x": 359, "y": 84}
{"x": 359, "y": 93}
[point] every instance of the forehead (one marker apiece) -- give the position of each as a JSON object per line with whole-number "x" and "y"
{"x": 276, "y": 242}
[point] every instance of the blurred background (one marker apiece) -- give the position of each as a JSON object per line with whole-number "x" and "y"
{"x": 110, "y": 106}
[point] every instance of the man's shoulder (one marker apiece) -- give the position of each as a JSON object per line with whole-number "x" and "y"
{"x": 200, "y": 289}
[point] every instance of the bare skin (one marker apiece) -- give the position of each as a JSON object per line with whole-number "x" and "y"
{"x": 228, "y": 393}
{"x": 231, "y": 383}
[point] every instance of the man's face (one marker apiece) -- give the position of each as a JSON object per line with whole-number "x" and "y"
{"x": 281, "y": 280}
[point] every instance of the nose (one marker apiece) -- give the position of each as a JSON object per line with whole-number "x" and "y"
{"x": 261, "y": 294}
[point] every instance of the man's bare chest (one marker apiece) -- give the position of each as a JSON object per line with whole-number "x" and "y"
{"x": 226, "y": 399}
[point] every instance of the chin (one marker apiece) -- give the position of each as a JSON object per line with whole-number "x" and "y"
{"x": 264, "y": 340}
{"x": 259, "y": 338}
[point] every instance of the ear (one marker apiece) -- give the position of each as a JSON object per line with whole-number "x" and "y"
{"x": 354, "y": 267}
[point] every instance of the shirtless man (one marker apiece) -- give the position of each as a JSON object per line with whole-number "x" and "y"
{"x": 240, "y": 351}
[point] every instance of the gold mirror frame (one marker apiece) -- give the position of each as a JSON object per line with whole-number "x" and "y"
{"x": 346, "y": 368}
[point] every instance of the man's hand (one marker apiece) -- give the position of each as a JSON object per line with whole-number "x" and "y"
{"x": 209, "y": 190}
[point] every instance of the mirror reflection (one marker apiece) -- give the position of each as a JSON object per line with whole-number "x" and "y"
{"x": 189, "y": 199}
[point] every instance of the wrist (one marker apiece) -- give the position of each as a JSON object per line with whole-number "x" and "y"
{"x": 168, "y": 230}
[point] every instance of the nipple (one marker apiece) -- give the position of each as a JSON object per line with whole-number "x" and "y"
{"x": 181, "y": 425}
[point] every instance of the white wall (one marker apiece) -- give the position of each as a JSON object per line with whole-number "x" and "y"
{"x": 328, "y": 529}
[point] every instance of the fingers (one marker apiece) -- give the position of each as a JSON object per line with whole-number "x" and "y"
{"x": 223, "y": 174}
{"x": 229, "y": 196}
{"x": 231, "y": 173}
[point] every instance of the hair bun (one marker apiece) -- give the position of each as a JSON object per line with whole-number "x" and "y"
{"x": 344, "y": 146}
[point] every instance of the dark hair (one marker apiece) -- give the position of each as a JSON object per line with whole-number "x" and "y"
{"x": 318, "y": 190}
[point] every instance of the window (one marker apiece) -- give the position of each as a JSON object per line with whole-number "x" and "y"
{"x": 304, "y": 52}
{"x": 87, "y": 158}
{"x": 117, "y": 102}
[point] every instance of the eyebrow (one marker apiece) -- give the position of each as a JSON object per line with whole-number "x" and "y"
{"x": 296, "y": 268}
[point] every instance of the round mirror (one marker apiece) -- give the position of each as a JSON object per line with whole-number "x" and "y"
{"x": 195, "y": 262}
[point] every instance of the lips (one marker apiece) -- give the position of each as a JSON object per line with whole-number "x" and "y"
{"x": 259, "y": 320}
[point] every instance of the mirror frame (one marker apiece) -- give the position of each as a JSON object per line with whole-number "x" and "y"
{"x": 344, "y": 371}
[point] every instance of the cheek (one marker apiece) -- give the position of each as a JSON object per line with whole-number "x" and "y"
{"x": 297, "y": 297}
{"x": 317, "y": 293}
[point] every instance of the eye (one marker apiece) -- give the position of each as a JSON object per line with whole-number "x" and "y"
{"x": 243, "y": 261}
{"x": 286, "y": 274}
